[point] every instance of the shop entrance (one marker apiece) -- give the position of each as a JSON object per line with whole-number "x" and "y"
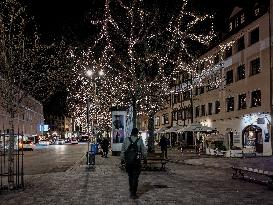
{"x": 252, "y": 138}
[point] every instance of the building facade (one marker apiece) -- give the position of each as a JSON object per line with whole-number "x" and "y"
{"x": 28, "y": 119}
{"x": 232, "y": 83}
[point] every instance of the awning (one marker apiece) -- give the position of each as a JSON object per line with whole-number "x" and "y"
{"x": 215, "y": 137}
{"x": 196, "y": 128}
{"x": 161, "y": 130}
{"x": 175, "y": 128}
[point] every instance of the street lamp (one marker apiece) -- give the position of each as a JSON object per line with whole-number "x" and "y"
{"x": 90, "y": 74}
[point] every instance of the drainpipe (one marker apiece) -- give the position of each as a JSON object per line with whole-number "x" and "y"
{"x": 270, "y": 66}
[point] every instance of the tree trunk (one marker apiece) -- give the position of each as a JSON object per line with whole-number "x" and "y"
{"x": 151, "y": 140}
{"x": 134, "y": 112}
{"x": 11, "y": 152}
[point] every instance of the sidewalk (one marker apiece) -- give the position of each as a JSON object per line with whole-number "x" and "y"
{"x": 107, "y": 184}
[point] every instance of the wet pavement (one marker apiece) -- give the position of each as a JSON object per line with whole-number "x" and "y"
{"x": 189, "y": 179}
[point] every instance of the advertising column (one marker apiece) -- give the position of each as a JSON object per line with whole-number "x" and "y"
{"x": 118, "y": 131}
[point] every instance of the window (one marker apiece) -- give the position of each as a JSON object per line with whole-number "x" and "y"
{"x": 196, "y": 91}
{"x": 186, "y": 95}
{"x": 230, "y": 104}
{"x": 157, "y": 121}
{"x": 255, "y": 67}
{"x": 242, "y": 102}
{"x": 166, "y": 119}
{"x": 210, "y": 109}
{"x": 254, "y": 36}
{"x": 174, "y": 116}
{"x": 229, "y": 77}
{"x": 241, "y": 72}
{"x": 240, "y": 43}
{"x": 217, "y": 107}
{"x": 203, "y": 110}
{"x": 236, "y": 22}
{"x": 242, "y": 18}
{"x": 256, "y": 98}
{"x": 197, "y": 111}
{"x": 230, "y": 26}
{"x": 216, "y": 59}
{"x": 202, "y": 89}
{"x": 228, "y": 52}
{"x": 257, "y": 11}
{"x": 179, "y": 115}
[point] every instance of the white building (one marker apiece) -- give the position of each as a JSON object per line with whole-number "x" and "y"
{"x": 235, "y": 95}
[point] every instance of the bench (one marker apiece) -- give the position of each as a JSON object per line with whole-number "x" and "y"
{"x": 153, "y": 159}
{"x": 253, "y": 175}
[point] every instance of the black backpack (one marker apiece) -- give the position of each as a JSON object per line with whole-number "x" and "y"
{"x": 131, "y": 154}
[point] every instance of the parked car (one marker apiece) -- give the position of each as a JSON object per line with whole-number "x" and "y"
{"x": 44, "y": 142}
{"x": 74, "y": 140}
{"x": 26, "y": 145}
{"x": 60, "y": 141}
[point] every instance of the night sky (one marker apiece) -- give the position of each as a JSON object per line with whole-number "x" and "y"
{"x": 69, "y": 19}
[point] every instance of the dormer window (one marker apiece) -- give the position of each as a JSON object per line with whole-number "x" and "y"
{"x": 236, "y": 22}
{"x": 257, "y": 11}
{"x": 230, "y": 26}
{"x": 242, "y": 18}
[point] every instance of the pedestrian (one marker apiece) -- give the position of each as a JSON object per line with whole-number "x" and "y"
{"x": 131, "y": 153}
{"x": 105, "y": 145}
{"x": 163, "y": 145}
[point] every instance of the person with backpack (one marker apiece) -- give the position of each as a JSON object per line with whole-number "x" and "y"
{"x": 131, "y": 153}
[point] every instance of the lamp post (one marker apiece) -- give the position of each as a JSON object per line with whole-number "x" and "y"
{"x": 90, "y": 74}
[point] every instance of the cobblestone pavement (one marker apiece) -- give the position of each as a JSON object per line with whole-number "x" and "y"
{"x": 106, "y": 183}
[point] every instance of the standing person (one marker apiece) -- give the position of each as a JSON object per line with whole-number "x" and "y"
{"x": 105, "y": 145}
{"x": 164, "y": 145}
{"x": 131, "y": 153}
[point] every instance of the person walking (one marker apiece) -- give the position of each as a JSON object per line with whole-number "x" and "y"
{"x": 164, "y": 145}
{"x": 131, "y": 153}
{"x": 105, "y": 146}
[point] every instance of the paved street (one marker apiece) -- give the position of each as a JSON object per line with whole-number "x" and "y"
{"x": 53, "y": 158}
{"x": 107, "y": 184}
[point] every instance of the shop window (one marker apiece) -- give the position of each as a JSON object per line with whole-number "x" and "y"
{"x": 197, "y": 111}
{"x": 230, "y": 104}
{"x": 242, "y": 101}
{"x": 217, "y": 107}
{"x": 254, "y": 36}
{"x": 241, "y": 72}
{"x": 210, "y": 109}
{"x": 256, "y": 98}
{"x": 255, "y": 67}
{"x": 229, "y": 77}
{"x": 203, "y": 110}
{"x": 228, "y": 52}
{"x": 240, "y": 43}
